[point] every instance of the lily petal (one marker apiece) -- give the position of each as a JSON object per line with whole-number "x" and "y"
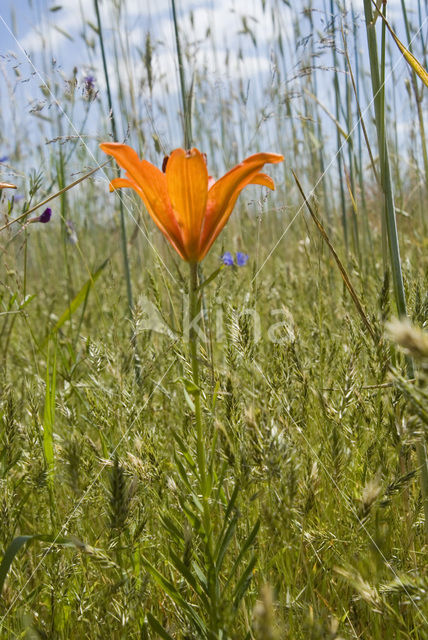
{"x": 187, "y": 182}
{"x": 223, "y": 195}
{"x": 118, "y": 183}
{"x": 263, "y": 180}
{"x": 150, "y": 184}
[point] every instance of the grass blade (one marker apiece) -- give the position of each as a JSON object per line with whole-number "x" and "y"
{"x": 342, "y": 269}
{"x": 49, "y": 418}
{"x": 18, "y": 542}
{"x": 156, "y": 626}
{"x": 79, "y": 298}
{"x": 173, "y": 593}
{"x": 408, "y": 55}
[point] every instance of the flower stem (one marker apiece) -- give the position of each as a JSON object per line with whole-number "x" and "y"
{"x": 205, "y": 476}
{"x": 193, "y": 342}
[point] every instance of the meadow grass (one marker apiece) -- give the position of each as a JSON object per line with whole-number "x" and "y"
{"x": 308, "y": 520}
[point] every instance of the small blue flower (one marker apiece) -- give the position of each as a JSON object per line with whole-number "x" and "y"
{"x": 4, "y": 158}
{"x": 241, "y": 259}
{"x": 227, "y": 259}
{"x": 46, "y": 215}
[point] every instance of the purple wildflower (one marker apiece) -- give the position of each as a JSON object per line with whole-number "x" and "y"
{"x": 4, "y": 158}
{"x": 227, "y": 259}
{"x": 241, "y": 259}
{"x": 45, "y": 216}
{"x": 89, "y": 83}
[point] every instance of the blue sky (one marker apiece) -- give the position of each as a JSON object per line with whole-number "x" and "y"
{"x": 234, "y": 62}
{"x": 38, "y": 30}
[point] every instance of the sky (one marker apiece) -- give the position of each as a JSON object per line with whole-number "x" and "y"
{"x": 61, "y": 31}
{"x": 231, "y": 42}
{"x": 35, "y": 29}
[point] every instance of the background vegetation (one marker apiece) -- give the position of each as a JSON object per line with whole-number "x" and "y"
{"x": 315, "y": 439}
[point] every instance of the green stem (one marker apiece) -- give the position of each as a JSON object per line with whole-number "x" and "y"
{"x": 205, "y": 480}
{"x": 421, "y": 453}
{"x": 114, "y": 131}
{"x": 418, "y": 93}
{"x": 193, "y": 342}
{"x": 391, "y": 223}
{"x": 187, "y": 120}
{"x": 368, "y": 247}
{"x": 124, "y": 243}
{"x": 386, "y": 179}
{"x": 382, "y": 139}
{"x": 338, "y": 140}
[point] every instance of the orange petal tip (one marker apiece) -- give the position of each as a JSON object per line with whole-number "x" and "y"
{"x": 263, "y": 180}
{"x": 276, "y": 157}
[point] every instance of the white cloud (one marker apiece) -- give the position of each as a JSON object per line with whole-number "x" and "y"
{"x": 52, "y": 28}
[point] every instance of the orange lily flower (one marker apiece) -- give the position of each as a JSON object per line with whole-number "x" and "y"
{"x": 186, "y": 204}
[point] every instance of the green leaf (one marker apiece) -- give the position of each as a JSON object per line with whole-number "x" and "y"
{"x": 49, "y": 418}
{"x": 156, "y": 626}
{"x": 408, "y": 55}
{"x": 11, "y": 301}
{"x": 26, "y": 301}
{"x": 20, "y": 541}
{"x": 224, "y": 542}
{"x": 182, "y": 471}
{"x": 194, "y": 520}
{"x": 184, "y": 451}
{"x": 174, "y": 594}
{"x": 198, "y": 504}
{"x": 248, "y": 542}
{"x": 232, "y": 502}
{"x": 78, "y": 299}
{"x": 189, "y": 389}
{"x": 210, "y": 278}
{"x": 190, "y": 579}
{"x": 8, "y": 557}
{"x": 202, "y": 577}
{"x": 244, "y": 582}
{"x": 189, "y": 385}
{"x": 166, "y": 585}
{"x": 172, "y": 529}
{"x": 189, "y": 401}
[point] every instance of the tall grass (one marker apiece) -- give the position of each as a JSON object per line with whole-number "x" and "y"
{"x": 292, "y": 507}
